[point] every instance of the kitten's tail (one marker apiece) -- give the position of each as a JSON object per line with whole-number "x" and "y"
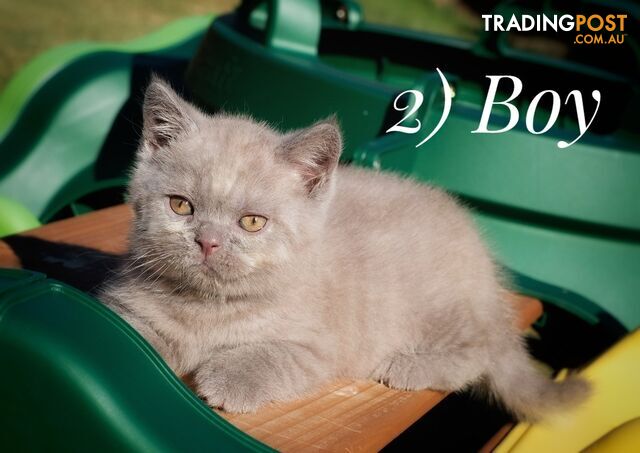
{"x": 526, "y": 391}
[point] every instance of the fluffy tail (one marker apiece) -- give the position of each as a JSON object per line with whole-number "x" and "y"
{"x": 526, "y": 391}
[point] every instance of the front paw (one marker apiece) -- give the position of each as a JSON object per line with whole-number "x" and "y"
{"x": 232, "y": 388}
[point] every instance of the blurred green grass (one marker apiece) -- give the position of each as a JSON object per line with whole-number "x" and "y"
{"x": 444, "y": 17}
{"x": 30, "y": 27}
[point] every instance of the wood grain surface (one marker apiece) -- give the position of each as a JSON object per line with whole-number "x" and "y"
{"x": 347, "y": 415}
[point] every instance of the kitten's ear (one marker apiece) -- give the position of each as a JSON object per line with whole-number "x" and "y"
{"x": 165, "y": 115}
{"x": 314, "y": 152}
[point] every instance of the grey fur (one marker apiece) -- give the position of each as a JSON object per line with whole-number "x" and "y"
{"x": 356, "y": 274}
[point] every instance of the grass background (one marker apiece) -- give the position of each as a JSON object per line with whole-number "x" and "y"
{"x": 29, "y": 27}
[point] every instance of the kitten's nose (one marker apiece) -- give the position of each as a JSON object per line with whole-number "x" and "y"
{"x": 208, "y": 246}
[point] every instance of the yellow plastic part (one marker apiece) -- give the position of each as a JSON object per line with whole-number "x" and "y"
{"x": 623, "y": 439}
{"x": 607, "y": 421}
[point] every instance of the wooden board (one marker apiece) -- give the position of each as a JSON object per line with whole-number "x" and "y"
{"x": 80, "y": 251}
{"x": 345, "y": 416}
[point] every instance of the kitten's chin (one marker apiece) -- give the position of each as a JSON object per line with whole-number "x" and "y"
{"x": 226, "y": 267}
{"x": 217, "y": 277}
{"x": 219, "y": 272}
{"x": 208, "y": 283}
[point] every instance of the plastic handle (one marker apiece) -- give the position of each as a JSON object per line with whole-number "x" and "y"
{"x": 294, "y": 25}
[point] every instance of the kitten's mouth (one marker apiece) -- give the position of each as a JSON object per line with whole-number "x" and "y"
{"x": 206, "y": 267}
{"x": 222, "y": 270}
{"x": 212, "y": 275}
{"x": 210, "y": 269}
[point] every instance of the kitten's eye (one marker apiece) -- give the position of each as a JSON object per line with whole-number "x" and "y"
{"x": 180, "y": 206}
{"x": 253, "y": 223}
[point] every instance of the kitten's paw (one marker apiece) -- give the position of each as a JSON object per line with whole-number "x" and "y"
{"x": 420, "y": 371}
{"x": 231, "y": 388}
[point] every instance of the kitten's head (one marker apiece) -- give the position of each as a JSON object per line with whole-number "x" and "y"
{"x": 222, "y": 203}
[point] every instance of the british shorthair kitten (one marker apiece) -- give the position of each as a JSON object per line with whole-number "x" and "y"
{"x": 265, "y": 269}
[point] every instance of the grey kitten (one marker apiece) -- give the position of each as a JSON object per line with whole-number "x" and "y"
{"x": 265, "y": 269}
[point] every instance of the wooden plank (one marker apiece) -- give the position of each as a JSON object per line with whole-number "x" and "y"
{"x": 81, "y": 251}
{"x": 104, "y": 230}
{"x": 344, "y": 416}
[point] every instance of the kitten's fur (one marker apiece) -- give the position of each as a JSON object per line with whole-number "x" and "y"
{"x": 356, "y": 273}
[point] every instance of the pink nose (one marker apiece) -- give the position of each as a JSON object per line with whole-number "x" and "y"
{"x": 208, "y": 246}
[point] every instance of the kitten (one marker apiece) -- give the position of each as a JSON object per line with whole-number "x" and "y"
{"x": 265, "y": 269}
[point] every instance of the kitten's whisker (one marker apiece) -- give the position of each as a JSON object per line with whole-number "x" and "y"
{"x": 146, "y": 262}
{"x": 137, "y": 258}
{"x": 159, "y": 272}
